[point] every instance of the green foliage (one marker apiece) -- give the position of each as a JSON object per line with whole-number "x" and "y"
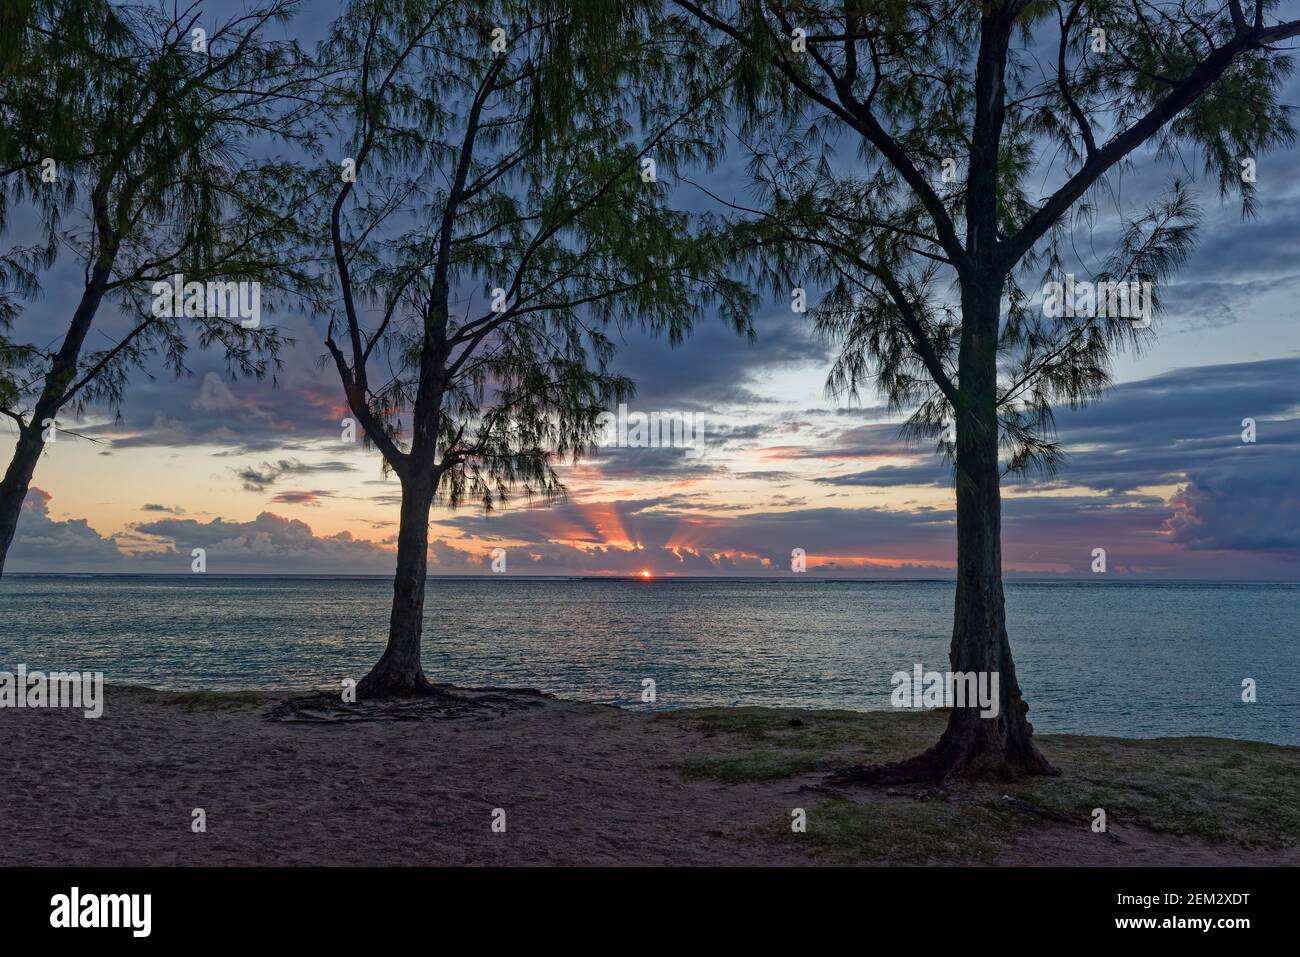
{"x": 159, "y": 157}
{"x": 515, "y": 169}
{"x": 1036, "y": 128}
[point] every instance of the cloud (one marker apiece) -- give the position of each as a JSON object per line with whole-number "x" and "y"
{"x": 296, "y": 410}
{"x": 1253, "y": 507}
{"x": 1158, "y": 475}
{"x": 42, "y": 543}
{"x": 647, "y": 463}
{"x": 1161, "y": 430}
{"x": 247, "y": 416}
{"x": 716, "y": 369}
{"x": 267, "y": 544}
{"x": 1150, "y": 433}
{"x": 301, "y": 498}
{"x": 889, "y": 476}
{"x": 258, "y": 478}
{"x": 663, "y": 534}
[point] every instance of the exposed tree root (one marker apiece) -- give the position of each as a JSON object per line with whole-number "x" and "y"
{"x": 437, "y": 703}
{"x": 1058, "y": 817}
{"x": 386, "y": 681}
{"x": 917, "y": 770}
{"x": 954, "y": 757}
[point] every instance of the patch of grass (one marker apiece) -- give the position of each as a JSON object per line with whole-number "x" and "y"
{"x": 1223, "y": 791}
{"x": 1218, "y": 790}
{"x": 763, "y": 744}
{"x": 908, "y": 831}
{"x": 752, "y": 767}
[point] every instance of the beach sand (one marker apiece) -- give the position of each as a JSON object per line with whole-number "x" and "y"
{"x": 579, "y": 784}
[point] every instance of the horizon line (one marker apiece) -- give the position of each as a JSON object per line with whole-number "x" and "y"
{"x": 662, "y": 577}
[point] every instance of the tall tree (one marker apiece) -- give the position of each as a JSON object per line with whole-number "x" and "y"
{"x": 957, "y": 111}
{"x": 497, "y": 208}
{"x": 125, "y": 140}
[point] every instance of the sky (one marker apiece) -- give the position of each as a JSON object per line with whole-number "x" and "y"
{"x": 1158, "y": 473}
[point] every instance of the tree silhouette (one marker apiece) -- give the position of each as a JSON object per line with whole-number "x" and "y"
{"x": 127, "y": 135}
{"x": 493, "y": 216}
{"x": 958, "y": 111}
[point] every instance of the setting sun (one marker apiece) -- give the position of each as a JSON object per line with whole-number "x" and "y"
{"x": 646, "y": 574}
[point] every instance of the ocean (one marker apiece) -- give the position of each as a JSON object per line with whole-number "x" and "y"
{"x": 1127, "y": 659}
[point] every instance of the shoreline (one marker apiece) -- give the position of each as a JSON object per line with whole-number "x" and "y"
{"x": 286, "y": 692}
{"x": 596, "y": 784}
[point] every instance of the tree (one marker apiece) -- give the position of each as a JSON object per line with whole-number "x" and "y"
{"x": 958, "y": 110}
{"x": 511, "y": 149}
{"x": 124, "y": 137}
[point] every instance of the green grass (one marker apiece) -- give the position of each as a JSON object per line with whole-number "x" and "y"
{"x": 759, "y": 744}
{"x": 907, "y": 831}
{"x": 1221, "y": 791}
{"x": 1225, "y": 792}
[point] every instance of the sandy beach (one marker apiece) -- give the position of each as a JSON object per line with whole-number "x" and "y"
{"x": 579, "y": 784}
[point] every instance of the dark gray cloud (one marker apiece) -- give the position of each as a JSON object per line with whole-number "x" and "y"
{"x": 1183, "y": 424}
{"x": 1181, "y": 428}
{"x": 716, "y": 370}
{"x": 657, "y": 463}
{"x": 312, "y": 497}
{"x": 258, "y": 478}
{"x": 1156, "y": 431}
{"x": 1253, "y": 508}
{"x": 888, "y": 476}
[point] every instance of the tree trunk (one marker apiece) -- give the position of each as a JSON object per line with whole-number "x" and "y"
{"x": 399, "y": 672}
{"x": 31, "y": 437}
{"x": 973, "y": 745}
{"x": 14, "y": 486}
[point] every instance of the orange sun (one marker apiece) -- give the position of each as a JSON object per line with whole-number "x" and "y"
{"x": 645, "y": 574}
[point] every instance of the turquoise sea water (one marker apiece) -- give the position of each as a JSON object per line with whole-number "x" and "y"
{"x": 1131, "y": 659}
